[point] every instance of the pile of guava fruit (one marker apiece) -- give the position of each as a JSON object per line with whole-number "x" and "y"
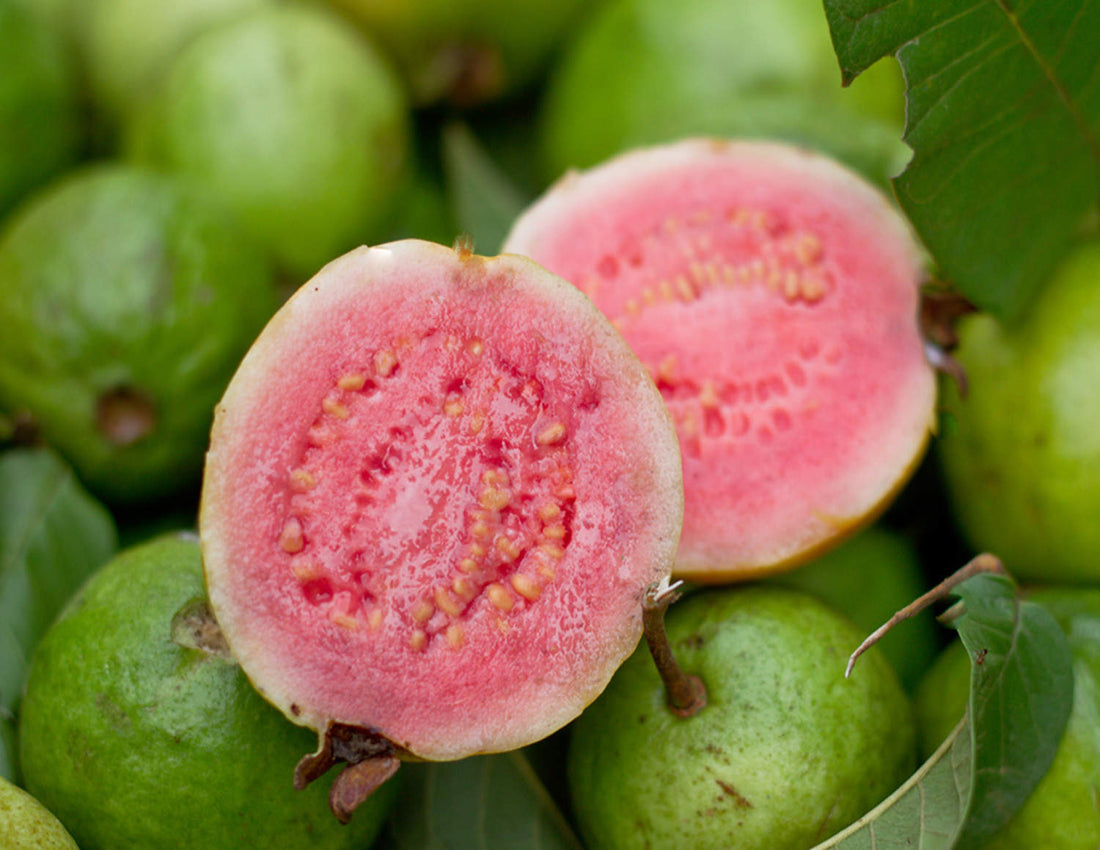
{"x": 475, "y": 424}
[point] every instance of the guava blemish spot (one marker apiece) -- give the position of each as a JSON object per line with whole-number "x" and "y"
{"x": 124, "y": 415}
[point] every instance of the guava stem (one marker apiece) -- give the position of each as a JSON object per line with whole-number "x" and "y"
{"x": 686, "y": 693}
{"x": 983, "y": 563}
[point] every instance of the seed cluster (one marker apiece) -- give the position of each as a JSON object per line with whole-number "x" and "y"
{"x": 520, "y": 496}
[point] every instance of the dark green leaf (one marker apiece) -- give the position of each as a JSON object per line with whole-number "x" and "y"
{"x": 1003, "y": 115}
{"x": 485, "y": 202}
{"x": 1021, "y": 692}
{"x": 53, "y": 535}
{"x": 481, "y": 803}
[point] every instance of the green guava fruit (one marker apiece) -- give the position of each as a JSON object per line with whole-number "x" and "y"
{"x": 642, "y": 72}
{"x": 25, "y": 824}
{"x": 431, "y": 459}
{"x": 128, "y": 300}
{"x": 785, "y": 752}
{"x": 39, "y": 130}
{"x": 868, "y": 579}
{"x": 773, "y": 296}
{"x": 467, "y": 53}
{"x": 1062, "y": 812}
{"x": 292, "y": 121}
{"x": 1021, "y": 455}
{"x": 139, "y": 731}
{"x": 130, "y": 43}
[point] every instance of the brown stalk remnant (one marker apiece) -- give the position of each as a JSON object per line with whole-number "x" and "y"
{"x": 371, "y": 760}
{"x": 984, "y": 563}
{"x": 940, "y": 309}
{"x": 686, "y": 693}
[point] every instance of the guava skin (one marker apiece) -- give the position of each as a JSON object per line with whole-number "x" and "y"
{"x": 1020, "y": 452}
{"x": 39, "y": 132}
{"x": 757, "y": 70}
{"x": 139, "y": 731}
{"x": 868, "y": 578}
{"x": 785, "y": 752}
{"x": 292, "y": 121}
{"x": 1061, "y": 813}
{"x": 25, "y": 824}
{"x": 128, "y": 300}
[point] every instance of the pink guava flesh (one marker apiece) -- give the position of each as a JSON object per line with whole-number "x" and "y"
{"x": 436, "y": 491}
{"x": 773, "y": 296}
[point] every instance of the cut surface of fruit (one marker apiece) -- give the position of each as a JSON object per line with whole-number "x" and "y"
{"x": 773, "y": 296}
{"x": 437, "y": 489}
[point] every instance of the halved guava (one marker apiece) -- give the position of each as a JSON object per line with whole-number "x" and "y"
{"x": 436, "y": 491}
{"x": 773, "y": 296}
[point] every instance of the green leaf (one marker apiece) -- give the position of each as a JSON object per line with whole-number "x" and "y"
{"x": 1003, "y": 116}
{"x": 53, "y": 535}
{"x": 484, "y": 200}
{"x": 482, "y": 803}
{"x": 1021, "y": 692}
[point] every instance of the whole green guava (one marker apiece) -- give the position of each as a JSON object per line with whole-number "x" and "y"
{"x": 785, "y": 752}
{"x": 1061, "y": 813}
{"x": 1021, "y": 454}
{"x": 128, "y": 301}
{"x": 139, "y": 731}
{"x": 25, "y": 824}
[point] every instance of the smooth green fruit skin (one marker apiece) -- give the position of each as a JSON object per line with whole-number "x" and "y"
{"x": 785, "y": 753}
{"x": 136, "y": 739}
{"x": 25, "y": 824}
{"x": 39, "y": 132}
{"x": 868, "y": 578}
{"x": 1062, "y": 812}
{"x": 291, "y": 121}
{"x": 648, "y": 71}
{"x": 1020, "y": 457}
{"x": 119, "y": 277}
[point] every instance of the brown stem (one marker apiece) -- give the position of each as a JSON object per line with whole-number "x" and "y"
{"x": 984, "y": 563}
{"x": 686, "y": 693}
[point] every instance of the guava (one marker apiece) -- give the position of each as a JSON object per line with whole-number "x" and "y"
{"x": 1061, "y": 813}
{"x": 641, "y": 72}
{"x": 130, "y": 43}
{"x": 292, "y": 121}
{"x": 25, "y": 824}
{"x": 437, "y": 489}
{"x": 39, "y": 129}
{"x": 773, "y": 296}
{"x": 1020, "y": 452}
{"x": 785, "y": 752}
{"x": 128, "y": 300}
{"x": 868, "y": 579}
{"x": 467, "y": 53}
{"x": 138, "y": 730}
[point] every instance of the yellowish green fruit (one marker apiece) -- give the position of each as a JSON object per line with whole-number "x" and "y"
{"x": 128, "y": 300}
{"x": 1021, "y": 454}
{"x": 785, "y": 752}
{"x": 1062, "y": 812}
{"x": 140, "y": 732}
{"x": 292, "y": 121}
{"x": 25, "y": 824}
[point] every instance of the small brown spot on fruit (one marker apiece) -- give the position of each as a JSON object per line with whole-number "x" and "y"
{"x": 124, "y": 415}
{"x": 526, "y": 587}
{"x": 292, "y": 539}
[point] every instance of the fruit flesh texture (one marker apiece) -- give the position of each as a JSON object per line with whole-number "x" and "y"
{"x": 760, "y": 70}
{"x": 290, "y": 120}
{"x": 128, "y": 300}
{"x": 25, "y": 824}
{"x": 773, "y": 297}
{"x": 138, "y": 731}
{"x": 39, "y": 136}
{"x": 1061, "y": 813}
{"x": 1021, "y": 453}
{"x": 436, "y": 490}
{"x": 785, "y": 752}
